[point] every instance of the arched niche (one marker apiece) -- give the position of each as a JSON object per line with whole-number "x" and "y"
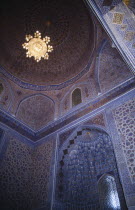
{"x": 76, "y": 97}
{"x": 86, "y": 154}
{"x": 108, "y": 193}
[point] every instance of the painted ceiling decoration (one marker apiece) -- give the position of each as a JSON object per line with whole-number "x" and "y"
{"x": 37, "y": 47}
{"x": 71, "y": 30}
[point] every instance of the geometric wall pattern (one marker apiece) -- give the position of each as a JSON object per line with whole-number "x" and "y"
{"x": 24, "y": 175}
{"x": 15, "y": 175}
{"x": 124, "y": 117}
{"x": 42, "y": 165}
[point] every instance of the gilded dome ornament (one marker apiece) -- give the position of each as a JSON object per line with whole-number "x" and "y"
{"x": 37, "y": 47}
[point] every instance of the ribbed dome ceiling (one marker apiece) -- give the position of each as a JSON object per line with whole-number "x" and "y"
{"x": 66, "y": 22}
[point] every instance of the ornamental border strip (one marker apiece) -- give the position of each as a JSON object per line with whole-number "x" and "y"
{"x": 47, "y": 87}
{"x": 100, "y": 101}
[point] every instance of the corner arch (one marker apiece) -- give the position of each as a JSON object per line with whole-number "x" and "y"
{"x": 110, "y": 70}
{"x": 36, "y": 111}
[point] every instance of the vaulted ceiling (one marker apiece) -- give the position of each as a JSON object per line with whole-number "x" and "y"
{"x": 83, "y": 57}
{"x": 67, "y": 23}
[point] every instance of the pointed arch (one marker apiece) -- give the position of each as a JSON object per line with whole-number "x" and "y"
{"x": 76, "y": 97}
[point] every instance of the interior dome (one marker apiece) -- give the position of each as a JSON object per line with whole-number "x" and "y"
{"x": 69, "y": 27}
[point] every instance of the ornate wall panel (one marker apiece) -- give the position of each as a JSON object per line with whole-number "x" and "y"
{"x": 124, "y": 117}
{"x": 15, "y": 174}
{"x": 25, "y": 175}
{"x": 42, "y": 164}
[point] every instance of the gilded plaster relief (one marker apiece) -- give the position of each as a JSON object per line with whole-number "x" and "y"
{"x": 118, "y": 18}
{"x": 129, "y": 36}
